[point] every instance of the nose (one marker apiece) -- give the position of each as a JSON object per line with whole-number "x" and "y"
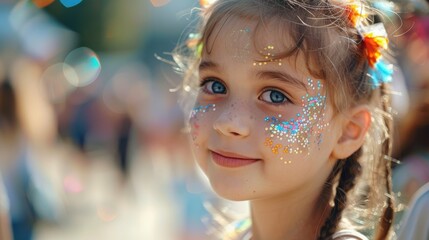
{"x": 232, "y": 124}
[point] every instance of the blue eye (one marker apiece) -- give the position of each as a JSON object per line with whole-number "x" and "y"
{"x": 274, "y": 96}
{"x": 213, "y": 87}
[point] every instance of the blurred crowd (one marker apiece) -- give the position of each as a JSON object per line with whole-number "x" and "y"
{"x": 92, "y": 139}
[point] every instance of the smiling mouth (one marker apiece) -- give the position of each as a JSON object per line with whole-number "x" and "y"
{"x": 231, "y": 160}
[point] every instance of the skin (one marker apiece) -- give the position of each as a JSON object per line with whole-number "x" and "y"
{"x": 285, "y": 199}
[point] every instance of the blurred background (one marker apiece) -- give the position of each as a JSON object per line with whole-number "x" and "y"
{"x": 91, "y": 137}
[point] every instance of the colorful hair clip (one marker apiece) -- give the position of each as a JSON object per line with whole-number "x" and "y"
{"x": 355, "y": 13}
{"x": 381, "y": 73}
{"x": 206, "y": 3}
{"x": 374, "y": 40}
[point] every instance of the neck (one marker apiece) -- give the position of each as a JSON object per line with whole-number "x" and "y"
{"x": 298, "y": 217}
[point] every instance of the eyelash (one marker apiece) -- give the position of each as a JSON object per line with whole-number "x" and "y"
{"x": 204, "y": 82}
{"x": 286, "y": 97}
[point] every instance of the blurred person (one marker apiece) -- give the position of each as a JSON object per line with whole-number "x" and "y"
{"x": 416, "y": 220}
{"x": 413, "y": 131}
{"x": 123, "y": 142}
{"x": 413, "y": 172}
{"x": 27, "y": 135}
{"x": 14, "y": 157}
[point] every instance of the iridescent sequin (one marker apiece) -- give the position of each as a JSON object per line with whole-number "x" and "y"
{"x": 202, "y": 109}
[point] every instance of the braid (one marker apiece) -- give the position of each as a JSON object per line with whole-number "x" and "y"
{"x": 388, "y": 214}
{"x": 350, "y": 169}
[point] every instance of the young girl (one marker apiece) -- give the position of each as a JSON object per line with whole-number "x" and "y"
{"x": 292, "y": 114}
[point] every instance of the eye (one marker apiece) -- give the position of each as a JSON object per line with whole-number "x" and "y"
{"x": 274, "y": 96}
{"x": 213, "y": 86}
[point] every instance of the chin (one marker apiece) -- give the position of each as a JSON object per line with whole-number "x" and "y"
{"x": 229, "y": 192}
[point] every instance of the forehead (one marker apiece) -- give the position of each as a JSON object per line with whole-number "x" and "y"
{"x": 234, "y": 32}
{"x": 251, "y": 41}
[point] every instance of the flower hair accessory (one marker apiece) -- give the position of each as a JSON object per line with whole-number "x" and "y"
{"x": 206, "y": 3}
{"x": 374, "y": 40}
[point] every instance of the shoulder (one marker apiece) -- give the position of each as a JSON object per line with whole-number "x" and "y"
{"x": 348, "y": 234}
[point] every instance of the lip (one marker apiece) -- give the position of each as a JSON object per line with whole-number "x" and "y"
{"x": 231, "y": 160}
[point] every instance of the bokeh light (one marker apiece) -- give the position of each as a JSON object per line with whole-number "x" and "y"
{"x": 159, "y": 3}
{"x": 105, "y": 214}
{"x": 70, "y": 3}
{"x": 42, "y": 3}
{"x": 56, "y": 84}
{"x": 72, "y": 184}
{"x": 85, "y": 67}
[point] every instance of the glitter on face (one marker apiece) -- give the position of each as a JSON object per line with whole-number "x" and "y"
{"x": 194, "y": 120}
{"x": 294, "y": 134}
{"x": 241, "y": 39}
{"x": 202, "y": 109}
{"x": 269, "y": 57}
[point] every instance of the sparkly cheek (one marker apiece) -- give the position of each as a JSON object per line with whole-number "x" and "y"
{"x": 293, "y": 136}
{"x": 197, "y": 116}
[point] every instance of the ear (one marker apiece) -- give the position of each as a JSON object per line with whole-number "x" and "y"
{"x": 355, "y": 125}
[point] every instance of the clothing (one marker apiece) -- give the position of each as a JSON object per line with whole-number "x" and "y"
{"x": 410, "y": 175}
{"x": 240, "y": 230}
{"x": 416, "y": 221}
{"x": 348, "y": 234}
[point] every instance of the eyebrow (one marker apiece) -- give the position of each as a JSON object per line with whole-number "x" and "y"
{"x": 207, "y": 65}
{"x": 282, "y": 76}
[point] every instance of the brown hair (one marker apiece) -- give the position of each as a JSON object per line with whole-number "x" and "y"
{"x": 333, "y": 52}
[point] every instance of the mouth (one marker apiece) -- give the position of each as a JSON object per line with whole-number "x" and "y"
{"x": 231, "y": 160}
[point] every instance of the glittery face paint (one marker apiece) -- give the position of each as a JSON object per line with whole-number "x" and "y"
{"x": 269, "y": 57}
{"x": 196, "y": 114}
{"x": 293, "y": 136}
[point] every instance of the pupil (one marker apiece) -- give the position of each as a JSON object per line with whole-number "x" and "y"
{"x": 218, "y": 88}
{"x": 276, "y": 97}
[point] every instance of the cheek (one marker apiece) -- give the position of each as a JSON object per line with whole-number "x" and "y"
{"x": 300, "y": 134}
{"x": 200, "y": 121}
{"x": 195, "y": 130}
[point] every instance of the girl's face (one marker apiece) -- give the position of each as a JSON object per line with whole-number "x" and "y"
{"x": 261, "y": 126}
